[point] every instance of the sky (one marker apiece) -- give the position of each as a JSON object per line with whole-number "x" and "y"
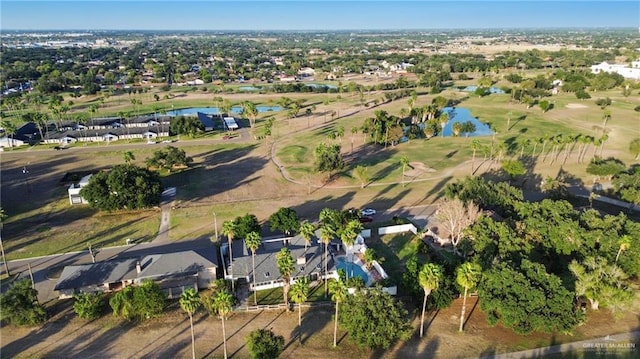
{"x": 314, "y": 15}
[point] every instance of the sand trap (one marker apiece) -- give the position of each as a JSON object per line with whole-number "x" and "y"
{"x": 576, "y": 105}
{"x": 416, "y": 169}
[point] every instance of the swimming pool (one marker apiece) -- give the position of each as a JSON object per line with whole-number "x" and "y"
{"x": 193, "y": 111}
{"x": 352, "y": 269}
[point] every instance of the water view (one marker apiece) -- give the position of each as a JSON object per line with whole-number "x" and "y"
{"x": 193, "y": 111}
{"x": 460, "y": 114}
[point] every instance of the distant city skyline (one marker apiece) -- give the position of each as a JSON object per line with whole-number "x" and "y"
{"x": 315, "y": 15}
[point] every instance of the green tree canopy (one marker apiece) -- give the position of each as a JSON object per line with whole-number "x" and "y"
{"x": 328, "y": 158}
{"x": 169, "y": 158}
{"x": 285, "y": 219}
{"x": 264, "y": 344}
{"x": 88, "y": 305}
{"x": 20, "y": 305}
{"x": 245, "y": 225}
{"x": 374, "y": 319}
{"x": 527, "y": 299}
{"x": 138, "y": 302}
{"x": 126, "y": 186}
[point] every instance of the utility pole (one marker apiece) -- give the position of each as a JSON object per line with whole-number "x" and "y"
{"x": 215, "y": 225}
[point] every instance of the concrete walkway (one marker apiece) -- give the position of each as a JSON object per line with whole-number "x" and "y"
{"x": 625, "y": 345}
{"x": 165, "y": 222}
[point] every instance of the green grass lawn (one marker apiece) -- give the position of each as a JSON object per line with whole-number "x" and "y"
{"x": 275, "y": 295}
{"x": 395, "y": 249}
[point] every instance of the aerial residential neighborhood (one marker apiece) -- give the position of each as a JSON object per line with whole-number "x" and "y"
{"x": 319, "y": 180}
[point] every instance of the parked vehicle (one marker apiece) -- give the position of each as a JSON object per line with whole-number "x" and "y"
{"x": 368, "y": 212}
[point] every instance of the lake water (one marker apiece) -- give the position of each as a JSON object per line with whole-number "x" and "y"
{"x": 491, "y": 89}
{"x": 460, "y": 114}
{"x": 192, "y": 111}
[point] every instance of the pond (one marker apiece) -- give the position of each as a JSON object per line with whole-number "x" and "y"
{"x": 460, "y": 114}
{"x": 491, "y": 89}
{"x": 192, "y": 111}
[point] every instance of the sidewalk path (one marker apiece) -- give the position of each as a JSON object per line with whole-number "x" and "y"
{"x": 165, "y": 223}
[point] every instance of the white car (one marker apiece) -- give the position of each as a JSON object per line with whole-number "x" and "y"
{"x": 368, "y": 212}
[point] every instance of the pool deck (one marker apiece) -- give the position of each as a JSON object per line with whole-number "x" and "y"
{"x": 372, "y": 274}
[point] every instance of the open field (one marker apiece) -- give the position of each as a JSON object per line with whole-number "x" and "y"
{"x": 236, "y": 178}
{"x": 169, "y": 337}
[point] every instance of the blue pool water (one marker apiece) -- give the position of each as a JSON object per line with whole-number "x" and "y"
{"x": 460, "y": 114}
{"x": 491, "y": 89}
{"x": 352, "y": 269}
{"x": 192, "y": 111}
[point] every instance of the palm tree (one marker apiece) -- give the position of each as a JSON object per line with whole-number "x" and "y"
{"x": 404, "y": 162}
{"x": 229, "y": 230}
{"x": 307, "y": 230}
{"x": 354, "y": 131}
{"x": 3, "y": 218}
{"x": 190, "y": 302}
{"x": 606, "y": 116}
{"x": 475, "y": 146}
{"x": 326, "y": 234}
{"x": 429, "y": 277}
{"x": 9, "y": 128}
{"x": 339, "y": 293}
{"x": 253, "y": 242}
{"x": 624, "y": 243}
{"x": 222, "y": 303}
{"x": 467, "y": 276}
{"x": 349, "y": 235}
{"x": 250, "y": 110}
{"x": 299, "y": 294}
{"x": 286, "y": 266}
{"x": 444, "y": 118}
{"x": 360, "y": 172}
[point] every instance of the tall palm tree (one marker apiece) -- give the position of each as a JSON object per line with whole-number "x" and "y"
{"x": 360, "y": 172}
{"x": 307, "y": 230}
{"x": 3, "y": 218}
{"x": 354, "y": 131}
{"x": 429, "y": 277}
{"x": 229, "y": 230}
{"x": 286, "y": 266}
{"x": 606, "y": 116}
{"x": 339, "y": 293}
{"x": 299, "y": 295}
{"x": 404, "y": 162}
{"x": 253, "y": 242}
{"x": 467, "y": 276}
{"x": 326, "y": 234}
{"x": 222, "y": 304}
{"x": 190, "y": 302}
{"x": 475, "y": 146}
{"x": 349, "y": 234}
{"x": 250, "y": 110}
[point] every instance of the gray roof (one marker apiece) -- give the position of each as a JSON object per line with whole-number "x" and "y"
{"x": 84, "y": 275}
{"x": 161, "y": 265}
{"x": 152, "y": 266}
{"x": 266, "y": 263}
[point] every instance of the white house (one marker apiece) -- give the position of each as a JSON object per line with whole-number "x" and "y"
{"x": 74, "y": 191}
{"x": 629, "y": 72}
{"x": 10, "y": 142}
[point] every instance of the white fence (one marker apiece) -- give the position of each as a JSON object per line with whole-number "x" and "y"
{"x": 398, "y": 229}
{"x": 378, "y": 267}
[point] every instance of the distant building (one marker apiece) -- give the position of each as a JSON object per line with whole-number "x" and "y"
{"x": 629, "y": 72}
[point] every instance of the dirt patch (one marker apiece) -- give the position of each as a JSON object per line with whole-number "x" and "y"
{"x": 576, "y": 105}
{"x": 417, "y": 168}
{"x": 168, "y": 336}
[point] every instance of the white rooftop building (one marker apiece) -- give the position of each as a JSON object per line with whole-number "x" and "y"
{"x": 74, "y": 191}
{"x": 629, "y": 72}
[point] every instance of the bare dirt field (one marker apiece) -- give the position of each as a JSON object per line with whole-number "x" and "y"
{"x": 168, "y": 337}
